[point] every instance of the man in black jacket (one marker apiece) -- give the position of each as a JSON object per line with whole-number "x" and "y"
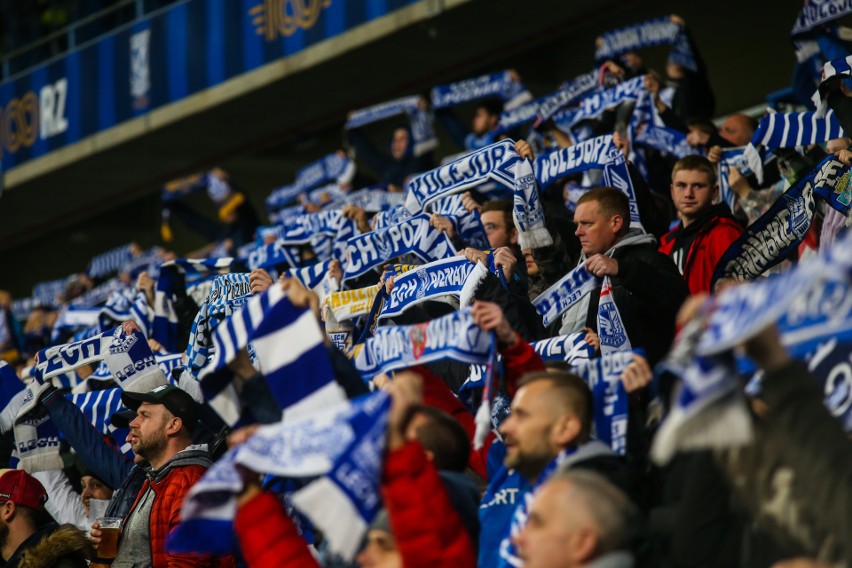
{"x": 647, "y": 287}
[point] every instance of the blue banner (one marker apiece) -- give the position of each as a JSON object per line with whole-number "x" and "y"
{"x": 192, "y": 46}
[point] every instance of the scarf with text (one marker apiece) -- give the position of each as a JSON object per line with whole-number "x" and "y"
{"x": 503, "y": 85}
{"x": 455, "y": 276}
{"x": 568, "y": 94}
{"x": 454, "y": 336}
{"x": 415, "y": 236}
{"x": 659, "y": 31}
{"x": 777, "y": 233}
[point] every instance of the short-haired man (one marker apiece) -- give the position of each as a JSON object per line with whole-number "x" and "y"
{"x": 549, "y": 426}
{"x": 705, "y": 230}
{"x": 22, "y": 540}
{"x": 646, "y": 286}
{"x": 162, "y": 434}
{"x": 578, "y": 519}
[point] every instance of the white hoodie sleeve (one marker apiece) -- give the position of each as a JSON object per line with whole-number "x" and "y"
{"x": 63, "y": 503}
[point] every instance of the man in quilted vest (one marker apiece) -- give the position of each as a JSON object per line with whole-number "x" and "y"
{"x": 162, "y": 434}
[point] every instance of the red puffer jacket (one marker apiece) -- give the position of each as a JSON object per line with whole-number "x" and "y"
{"x": 714, "y": 237}
{"x": 170, "y": 484}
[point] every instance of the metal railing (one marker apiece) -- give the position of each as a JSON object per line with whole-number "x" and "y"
{"x": 77, "y": 32}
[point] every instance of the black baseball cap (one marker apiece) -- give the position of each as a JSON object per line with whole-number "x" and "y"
{"x": 178, "y": 401}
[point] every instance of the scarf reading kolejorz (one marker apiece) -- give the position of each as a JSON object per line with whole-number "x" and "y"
{"x": 776, "y": 234}
{"x": 595, "y": 153}
{"x": 499, "y": 163}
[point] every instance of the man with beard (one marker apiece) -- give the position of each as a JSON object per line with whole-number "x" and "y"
{"x": 22, "y": 541}
{"x": 161, "y": 433}
{"x": 549, "y": 427}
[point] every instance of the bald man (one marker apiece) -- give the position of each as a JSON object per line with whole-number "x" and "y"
{"x": 578, "y": 519}
{"x": 738, "y": 129}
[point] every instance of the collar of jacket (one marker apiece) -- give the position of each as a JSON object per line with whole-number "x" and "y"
{"x": 192, "y": 455}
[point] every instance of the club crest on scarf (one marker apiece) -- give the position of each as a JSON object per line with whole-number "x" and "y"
{"x": 418, "y": 335}
{"x": 610, "y": 327}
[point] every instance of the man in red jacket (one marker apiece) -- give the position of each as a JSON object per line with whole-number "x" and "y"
{"x": 162, "y": 434}
{"x": 705, "y": 230}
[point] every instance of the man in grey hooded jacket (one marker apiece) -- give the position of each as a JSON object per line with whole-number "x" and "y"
{"x": 646, "y": 285}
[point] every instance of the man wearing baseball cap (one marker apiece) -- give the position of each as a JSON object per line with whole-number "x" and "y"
{"x": 22, "y": 500}
{"x": 161, "y": 433}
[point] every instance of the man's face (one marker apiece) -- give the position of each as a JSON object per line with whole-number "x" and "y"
{"x": 597, "y": 233}
{"x": 527, "y": 431}
{"x": 499, "y": 234}
{"x": 692, "y": 193}
{"x": 148, "y": 430}
{"x": 483, "y": 121}
{"x": 399, "y": 143}
{"x": 93, "y": 488}
{"x": 550, "y": 538}
{"x": 737, "y": 130}
{"x": 380, "y": 551}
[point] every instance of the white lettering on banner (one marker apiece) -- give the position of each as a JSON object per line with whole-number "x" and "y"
{"x": 52, "y": 108}
{"x": 456, "y": 175}
{"x": 590, "y": 152}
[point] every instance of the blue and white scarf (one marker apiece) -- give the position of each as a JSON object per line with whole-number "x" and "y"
{"x": 164, "y": 327}
{"x": 128, "y": 356}
{"x": 554, "y": 301}
{"x": 660, "y": 31}
{"x": 300, "y": 377}
{"x": 527, "y": 210}
{"x": 833, "y": 68}
{"x": 468, "y": 224}
{"x": 789, "y": 130}
{"x": 392, "y": 216}
{"x": 45, "y": 293}
{"x": 333, "y": 168}
{"x": 777, "y": 233}
{"x": 342, "y": 442}
{"x": 500, "y": 85}
{"x": 666, "y": 140}
{"x": 454, "y": 336}
{"x": 267, "y": 256}
{"x": 100, "y": 293}
{"x": 733, "y": 158}
{"x": 569, "y": 93}
{"x": 569, "y": 348}
{"x": 598, "y": 102}
{"x": 413, "y": 236}
{"x": 455, "y": 276}
{"x": 199, "y": 269}
{"x": 229, "y": 293}
{"x": 422, "y": 127}
{"x": 818, "y": 12}
{"x": 493, "y": 163}
{"x": 371, "y": 199}
{"x": 98, "y": 407}
{"x": 110, "y": 261}
{"x": 594, "y": 153}
{"x": 610, "y": 400}
{"x": 611, "y": 330}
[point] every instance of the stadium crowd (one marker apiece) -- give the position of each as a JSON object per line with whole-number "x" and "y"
{"x": 605, "y": 333}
